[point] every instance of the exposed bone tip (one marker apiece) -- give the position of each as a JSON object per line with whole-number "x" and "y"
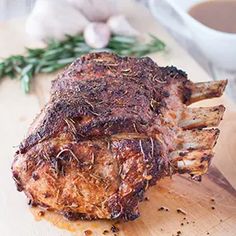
{"x": 223, "y": 83}
{"x": 193, "y": 162}
{"x": 198, "y": 139}
{"x": 217, "y": 132}
{"x": 221, "y": 87}
{"x": 202, "y": 117}
{"x": 205, "y": 90}
{"x": 222, "y": 107}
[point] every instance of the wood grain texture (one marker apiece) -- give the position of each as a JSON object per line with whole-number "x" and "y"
{"x": 18, "y": 111}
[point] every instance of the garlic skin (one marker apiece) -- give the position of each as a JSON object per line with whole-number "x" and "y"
{"x": 54, "y": 19}
{"x": 97, "y": 35}
{"x": 119, "y": 25}
{"x": 95, "y": 10}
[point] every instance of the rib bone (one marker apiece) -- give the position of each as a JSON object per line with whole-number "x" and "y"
{"x": 204, "y": 90}
{"x": 198, "y": 139}
{"x": 202, "y": 117}
{"x": 194, "y": 162}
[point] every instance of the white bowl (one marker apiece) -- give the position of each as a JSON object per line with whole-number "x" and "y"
{"x": 217, "y": 46}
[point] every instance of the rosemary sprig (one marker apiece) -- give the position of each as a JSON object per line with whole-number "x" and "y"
{"x": 58, "y": 54}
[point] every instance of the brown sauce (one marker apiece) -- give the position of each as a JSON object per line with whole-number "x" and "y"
{"x": 216, "y": 14}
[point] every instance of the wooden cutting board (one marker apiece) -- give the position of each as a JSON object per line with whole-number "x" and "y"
{"x": 208, "y": 207}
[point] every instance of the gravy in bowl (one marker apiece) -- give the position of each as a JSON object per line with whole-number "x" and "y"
{"x": 216, "y": 14}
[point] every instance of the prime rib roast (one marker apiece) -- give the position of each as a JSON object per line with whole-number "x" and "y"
{"x": 113, "y": 127}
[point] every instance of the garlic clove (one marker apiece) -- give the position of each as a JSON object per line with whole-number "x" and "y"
{"x": 54, "y": 19}
{"x": 97, "y": 35}
{"x": 95, "y": 10}
{"x": 118, "y": 24}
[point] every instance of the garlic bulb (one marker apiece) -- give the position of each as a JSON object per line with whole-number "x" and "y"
{"x": 95, "y": 10}
{"x": 53, "y": 19}
{"x": 119, "y": 25}
{"x": 97, "y": 35}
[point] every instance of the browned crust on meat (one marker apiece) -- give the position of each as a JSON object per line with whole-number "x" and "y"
{"x": 85, "y": 89}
